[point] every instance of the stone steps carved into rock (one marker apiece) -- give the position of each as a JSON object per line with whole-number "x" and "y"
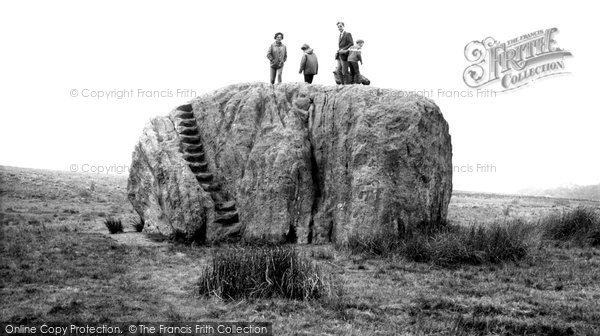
{"x": 190, "y": 139}
{"x": 185, "y": 115}
{"x": 189, "y": 130}
{"x": 227, "y": 218}
{"x": 193, "y": 154}
{"x": 193, "y": 148}
{"x": 198, "y": 167}
{"x": 211, "y": 186}
{"x": 204, "y": 177}
{"x": 186, "y": 122}
{"x": 186, "y": 108}
{"x": 225, "y": 206}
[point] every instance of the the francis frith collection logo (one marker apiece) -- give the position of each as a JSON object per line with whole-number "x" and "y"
{"x": 515, "y": 63}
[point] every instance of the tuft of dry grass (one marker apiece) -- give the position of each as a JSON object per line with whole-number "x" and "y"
{"x": 499, "y": 242}
{"x": 114, "y": 225}
{"x": 450, "y": 245}
{"x": 580, "y": 226}
{"x": 263, "y": 272}
{"x": 137, "y": 223}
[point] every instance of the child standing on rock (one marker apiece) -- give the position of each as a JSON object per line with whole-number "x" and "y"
{"x": 353, "y": 58}
{"x": 309, "y": 64}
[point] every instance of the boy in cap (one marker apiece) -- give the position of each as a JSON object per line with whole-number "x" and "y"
{"x": 354, "y": 56}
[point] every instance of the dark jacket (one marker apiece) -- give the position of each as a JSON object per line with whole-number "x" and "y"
{"x": 277, "y": 55}
{"x": 346, "y": 42}
{"x": 309, "y": 63}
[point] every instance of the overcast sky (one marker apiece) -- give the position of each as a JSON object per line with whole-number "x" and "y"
{"x": 55, "y": 55}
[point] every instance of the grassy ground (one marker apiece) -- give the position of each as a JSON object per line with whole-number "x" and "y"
{"x": 58, "y": 263}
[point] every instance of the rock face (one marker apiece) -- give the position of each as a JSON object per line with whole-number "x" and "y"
{"x": 162, "y": 187}
{"x": 294, "y": 162}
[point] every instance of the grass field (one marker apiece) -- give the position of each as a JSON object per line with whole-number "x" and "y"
{"x": 58, "y": 263}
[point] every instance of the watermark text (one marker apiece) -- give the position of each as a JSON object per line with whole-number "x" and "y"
{"x": 127, "y": 93}
{"x": 474, "y": 168}
{"x": 99, "y": 169}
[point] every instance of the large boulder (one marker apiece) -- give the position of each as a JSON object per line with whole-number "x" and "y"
{"x": 302, "y": 163}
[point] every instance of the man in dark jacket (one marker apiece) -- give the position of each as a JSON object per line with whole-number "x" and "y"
{"x": 345, "y": 42}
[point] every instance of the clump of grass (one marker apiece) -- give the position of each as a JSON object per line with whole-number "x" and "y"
{"x": 114, "y": 225}
{"x": 386, "y": 244}
{"x": 476, "y": 245}
{"x": 322, "y": 253}
{"x": 242, "y": 273}
{"x": 375, "y": 244}
{"x": 137, "y": 223}
{"x": 448, "y": 245}
{"x": 580, "y": 226}
{"x": 194, "y": 237}
{"x": 416, "y": 249}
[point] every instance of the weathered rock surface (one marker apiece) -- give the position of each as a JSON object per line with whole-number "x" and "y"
{"x": 162, "y": 188}
{"x": 303, "y": 163}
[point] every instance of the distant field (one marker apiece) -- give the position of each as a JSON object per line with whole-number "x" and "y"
{"x": 469, "y": 208}
{"x": 58, "y": 263}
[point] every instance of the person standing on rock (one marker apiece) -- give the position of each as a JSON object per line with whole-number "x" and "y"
{"x": 277, "y": 55}
{"x": 309, "y": 64}
{"x": 354, "y": 56}
{"x": 344, "y": 43}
